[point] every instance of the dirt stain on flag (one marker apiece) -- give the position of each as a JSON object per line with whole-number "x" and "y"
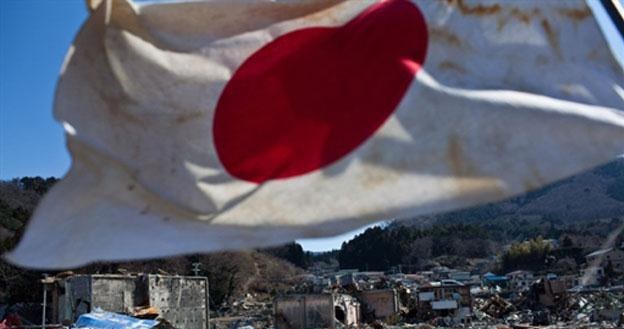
{"x": 183, "y": 118}
{"x": 116, "y": 106}
{"x": 552, "y": 37}
{"x": 471, "y": 186}
{"x": 457, "y": 161}
{"x": 376, "y": 177}
{"x": 525, "y": 16}
{"x": 480, "y": 10}
{"x": 452, "y": 66}
{"x": 575, "y": 14}
{"x": 445, "y": 36}
{"x": 228, "y": 18}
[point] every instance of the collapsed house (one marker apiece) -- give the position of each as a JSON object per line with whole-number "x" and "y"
{"x": 316, "y": 311}
{"x": 583, "y": 308}
{"x": 549, "y": 292}
{"x": 181, "y": 300}
{"x": 496, "y": 306}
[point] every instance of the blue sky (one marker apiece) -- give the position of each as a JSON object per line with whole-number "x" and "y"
{"x": 34, "y": 36}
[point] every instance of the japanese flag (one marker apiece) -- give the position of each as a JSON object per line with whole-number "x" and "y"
{"x": 201, "y": 126}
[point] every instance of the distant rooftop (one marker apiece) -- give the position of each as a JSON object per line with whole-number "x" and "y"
{"x": 443, "y": 283}
{"x": 518, "y": 272}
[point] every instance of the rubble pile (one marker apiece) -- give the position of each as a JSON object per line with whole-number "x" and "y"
{"x": 252, "y": 311}
{"x": 341, "y": 299}
{"x": 495, "y": 306}
{"x": 586, "y": 309}
{"x": 545, "y": 303}
{"x": 600, "y": 305}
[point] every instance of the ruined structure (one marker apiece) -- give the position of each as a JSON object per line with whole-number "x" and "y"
{"x": 446, "y": 298}
{"x": 183, "y": 301}
{"x": 315, "y": 311}
{"x": 549, "y": 292}
{"x": 381, "y": 304}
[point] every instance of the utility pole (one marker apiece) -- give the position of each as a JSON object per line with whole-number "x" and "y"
{"x": 196, "y": 268}
{"x": 44, "y": 304}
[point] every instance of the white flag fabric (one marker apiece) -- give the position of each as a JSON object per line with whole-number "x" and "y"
{"x": 202, "y": 126}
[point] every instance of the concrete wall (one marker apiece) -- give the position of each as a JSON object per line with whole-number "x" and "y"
{"x": 347, "y": 309}
{"x": 304, "y": 312}
{"x": 183, "y": 301}
{"x": 353, "y": 316}
{"x": 74, "y": 298}
{"x": 384, "y": 303}
{"x": 113, "y": 293}
{"x": 118, "y": 294}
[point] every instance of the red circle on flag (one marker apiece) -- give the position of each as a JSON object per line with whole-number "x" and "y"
{"x": 312, "y": 96}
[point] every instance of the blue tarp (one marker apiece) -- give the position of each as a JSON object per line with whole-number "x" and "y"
{"x": 491, "y": 277}
{"x": 100, "y": 319}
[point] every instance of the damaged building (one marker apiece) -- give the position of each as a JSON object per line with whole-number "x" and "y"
{"x": 181, "y": 300}
{"x": 316, "y": 311}
{"x": 379, "y": 304}
{"x": 549, "y": 292}
{"x": 446, "y": 298}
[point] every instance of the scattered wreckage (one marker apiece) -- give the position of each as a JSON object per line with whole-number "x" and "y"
{"x": 544, "y": 303}
{"x": 394, "y": 301}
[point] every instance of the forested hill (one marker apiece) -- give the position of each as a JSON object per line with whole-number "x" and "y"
{"x": 18, "y": 199}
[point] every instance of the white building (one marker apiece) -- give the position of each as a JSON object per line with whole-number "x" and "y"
{"x": 520, "y": 280}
